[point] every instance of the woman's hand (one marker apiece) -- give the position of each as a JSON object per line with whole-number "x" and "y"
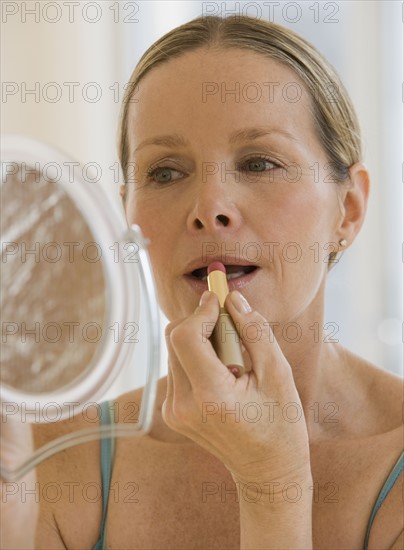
{"x": 239, "y": 420}
{"x": 19, "y": 499}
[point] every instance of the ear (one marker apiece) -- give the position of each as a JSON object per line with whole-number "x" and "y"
{"x": 354, "y": 200}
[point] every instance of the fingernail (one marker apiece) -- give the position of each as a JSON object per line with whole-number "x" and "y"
{"x": 204, "y": 297}
{"x": 239, "y": 302}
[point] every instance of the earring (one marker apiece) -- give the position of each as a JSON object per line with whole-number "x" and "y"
{"x": 342, "y": 242}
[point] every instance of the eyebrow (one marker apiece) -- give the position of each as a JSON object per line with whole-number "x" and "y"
{"x": 255, "y": 132}
{"x": 236, "y": 137}
{"x": 171, "y": 141}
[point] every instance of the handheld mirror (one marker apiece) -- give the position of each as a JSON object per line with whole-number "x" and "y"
{"x": 77, "y": 300}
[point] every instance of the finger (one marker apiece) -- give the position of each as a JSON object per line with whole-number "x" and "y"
{"x": 190, "y": 341}
{"x": 170, "y": 380}
{"x": 179, "y": 382}
{"x": 170, "y": 385}
{"x": 258, "y": 338}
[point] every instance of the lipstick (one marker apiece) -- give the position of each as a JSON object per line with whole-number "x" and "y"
{"x": 225, "y": 338}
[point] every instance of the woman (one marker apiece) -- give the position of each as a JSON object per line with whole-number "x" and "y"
{"x": 237, "y": 136}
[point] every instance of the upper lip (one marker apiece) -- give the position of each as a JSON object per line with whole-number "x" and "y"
{"x": 225, "y": 259}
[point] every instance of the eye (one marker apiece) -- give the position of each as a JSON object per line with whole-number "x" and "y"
{"x": 257, "y": 164}
{"x": 163, "y": 174}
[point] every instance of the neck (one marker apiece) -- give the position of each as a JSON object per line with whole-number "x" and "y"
{"x": 317, "y": 361}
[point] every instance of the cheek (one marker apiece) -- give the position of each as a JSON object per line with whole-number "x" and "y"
{"x": 310, "y": 206}
{"x": 291, "y": 215}
{"x": 142, "y": 212}
{"x": 301, "y": 221}
{"x": 151, "y": 222}
{"x": 156, "y": 223}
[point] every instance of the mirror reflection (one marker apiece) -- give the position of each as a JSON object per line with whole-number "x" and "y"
{"x": 53, "y": 287}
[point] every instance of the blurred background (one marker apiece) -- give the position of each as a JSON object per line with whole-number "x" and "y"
{"x": 65, "y": 65}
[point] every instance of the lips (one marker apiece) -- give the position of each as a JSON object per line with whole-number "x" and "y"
{"x": 232, "y": 272}
{"x": 240, "y": 273}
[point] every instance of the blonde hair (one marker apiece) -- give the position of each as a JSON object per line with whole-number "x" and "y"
{"x": 335, "y": 119}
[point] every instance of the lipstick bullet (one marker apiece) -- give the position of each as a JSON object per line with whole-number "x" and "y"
{"x": 225, "y": 338}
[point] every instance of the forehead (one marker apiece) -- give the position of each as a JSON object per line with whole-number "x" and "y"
{"x": 216, "y": 89}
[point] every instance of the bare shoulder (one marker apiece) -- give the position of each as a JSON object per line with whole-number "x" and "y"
{"x": 65, "y": 481}
{"x": 69, "y": 482}
{"x": 377, "y": 399}
{"x": 379, "y": 393}
{"x": 126, "y": 408}
{"x": 81, "y": 456}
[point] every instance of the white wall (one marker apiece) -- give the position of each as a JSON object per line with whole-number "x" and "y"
{"x": 363, "y": 39}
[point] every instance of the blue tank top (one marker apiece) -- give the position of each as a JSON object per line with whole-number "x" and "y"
{"x": 106, "y": 469}
{"x": 107, "y": 454}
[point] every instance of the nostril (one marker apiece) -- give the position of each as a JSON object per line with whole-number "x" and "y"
{"x": 223, "y": 219}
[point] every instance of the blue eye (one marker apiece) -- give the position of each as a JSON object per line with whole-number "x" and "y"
{"x": 258, "y": 164}
{"x": 162, "y": 174}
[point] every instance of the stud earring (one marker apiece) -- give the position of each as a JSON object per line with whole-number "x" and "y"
{"x": 342, "y": 242}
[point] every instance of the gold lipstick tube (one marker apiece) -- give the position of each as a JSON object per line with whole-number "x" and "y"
{"x": 225, "y": 338}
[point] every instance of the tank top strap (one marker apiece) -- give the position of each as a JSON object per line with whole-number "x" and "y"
{"x": 106, "y": 457}
{"x": 388, "y": 485}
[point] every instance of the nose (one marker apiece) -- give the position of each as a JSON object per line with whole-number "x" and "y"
{"x": 214, "y": 207}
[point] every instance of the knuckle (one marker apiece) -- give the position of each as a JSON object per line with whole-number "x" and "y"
{"x": 167, "y": 414}
{"x": 169, "y": 328}
{"x": 167, "y": 331}
{"x": 256, "y": 318}
{"x": 181, "y": 413}
{"x": 180, "y": 334}
{"x": 255, "y": 330}
{"x": 178, "y": 417}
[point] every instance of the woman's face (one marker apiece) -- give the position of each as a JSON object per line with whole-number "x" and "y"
{"x": 227, "y": 167}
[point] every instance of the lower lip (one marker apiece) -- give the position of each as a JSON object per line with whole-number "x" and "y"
{"x": 234, "y": 284}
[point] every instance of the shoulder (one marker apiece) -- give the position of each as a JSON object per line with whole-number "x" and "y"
{"x": 381, "y": 409}
{"x": 69, "y": 484}
{"x": 376, "y": 394}
{"x": 77, "y": 455}
{"x": 126, "y": 408}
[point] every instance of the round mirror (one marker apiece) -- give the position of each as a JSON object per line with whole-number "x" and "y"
{"x": 53, "y": 289}
{"x": 74, "y": 281}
